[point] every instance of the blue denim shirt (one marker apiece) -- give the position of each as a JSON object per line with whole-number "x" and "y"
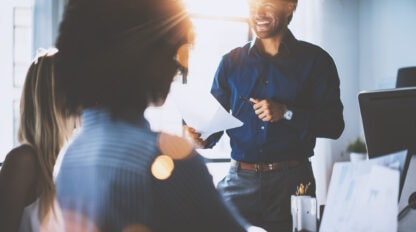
{"x": 302, "y": 76}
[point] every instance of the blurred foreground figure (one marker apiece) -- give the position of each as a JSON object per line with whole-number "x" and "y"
{"x": 116, "y": 57}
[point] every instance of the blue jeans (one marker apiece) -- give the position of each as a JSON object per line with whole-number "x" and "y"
{"x": 263, "y": 198}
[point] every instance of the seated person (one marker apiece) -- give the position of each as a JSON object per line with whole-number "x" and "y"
{"x": 27, "y": 190}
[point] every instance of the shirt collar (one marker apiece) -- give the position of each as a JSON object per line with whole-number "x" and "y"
{"x": 286, "y": 47}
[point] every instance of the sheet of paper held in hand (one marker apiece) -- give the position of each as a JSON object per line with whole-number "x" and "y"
{"x": 363, "y": 195}
{"x": 202, "y": 111}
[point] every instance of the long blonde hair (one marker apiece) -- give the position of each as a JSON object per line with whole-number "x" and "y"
{"x": 42, "y": 126}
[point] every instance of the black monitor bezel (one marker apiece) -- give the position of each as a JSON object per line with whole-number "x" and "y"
{"x": 366, "y": 98}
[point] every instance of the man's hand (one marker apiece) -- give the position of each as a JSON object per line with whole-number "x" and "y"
{"x": 268, "y": 110}
{"x": 193, "y": 136}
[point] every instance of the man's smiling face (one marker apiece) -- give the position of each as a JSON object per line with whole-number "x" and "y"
{"x": 269, "y": 17}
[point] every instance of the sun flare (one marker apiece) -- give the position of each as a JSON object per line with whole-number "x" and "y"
{"x": 225, "y": 8}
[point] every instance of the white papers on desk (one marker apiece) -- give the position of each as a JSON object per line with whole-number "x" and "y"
{"x": 202, "y": 111}
{"x": 363, "y": 195}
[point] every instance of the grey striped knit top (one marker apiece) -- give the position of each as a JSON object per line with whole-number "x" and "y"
{"x": 119, "y": 176}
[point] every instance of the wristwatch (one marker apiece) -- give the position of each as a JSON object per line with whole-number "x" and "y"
{"x": 288, "y": 114}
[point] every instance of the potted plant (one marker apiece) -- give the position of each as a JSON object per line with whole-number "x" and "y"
{"x": 357, "y": 150}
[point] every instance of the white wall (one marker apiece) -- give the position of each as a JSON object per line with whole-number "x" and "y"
{"x": 387, "y": 41}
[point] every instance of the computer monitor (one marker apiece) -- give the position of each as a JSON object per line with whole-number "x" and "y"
{"x": 389, "y": 120}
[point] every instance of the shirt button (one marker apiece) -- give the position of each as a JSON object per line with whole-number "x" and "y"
{"x": 261, "y": 150}
{"x": 266, "y": 82}
{"x": 262, "y": 127}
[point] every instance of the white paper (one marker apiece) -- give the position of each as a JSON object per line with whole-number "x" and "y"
{"x": 363, "y": 195}
{"x": 202, "y": 111}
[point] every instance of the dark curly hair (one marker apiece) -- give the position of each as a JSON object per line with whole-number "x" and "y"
{"x": 118, "y": 54}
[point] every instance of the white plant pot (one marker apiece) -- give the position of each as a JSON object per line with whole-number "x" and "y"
{"x": 355, "y": 156}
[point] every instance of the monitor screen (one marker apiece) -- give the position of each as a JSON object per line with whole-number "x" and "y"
{"x": 389, "y": 120}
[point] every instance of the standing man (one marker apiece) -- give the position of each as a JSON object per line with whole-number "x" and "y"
{"x": 287, "y": 94}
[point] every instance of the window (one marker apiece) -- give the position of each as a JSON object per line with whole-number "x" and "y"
{"x": 16, "y": 45}
{"x": 22, "y": 48}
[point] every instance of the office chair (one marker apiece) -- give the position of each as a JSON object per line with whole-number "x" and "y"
{"x": 406, "y": 77}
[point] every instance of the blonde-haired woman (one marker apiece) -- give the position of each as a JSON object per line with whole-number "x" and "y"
{"x": 27, "y": 189}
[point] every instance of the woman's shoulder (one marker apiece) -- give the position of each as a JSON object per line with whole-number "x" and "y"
{"x": 21, "y": 157}
{"x": 20, "y": 170}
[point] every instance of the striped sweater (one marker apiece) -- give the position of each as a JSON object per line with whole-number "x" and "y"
{"x": 118, "y": 175}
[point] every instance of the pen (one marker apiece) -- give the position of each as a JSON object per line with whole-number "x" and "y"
{"x": 246, "y": 99}
{"x": 302, "y": 189}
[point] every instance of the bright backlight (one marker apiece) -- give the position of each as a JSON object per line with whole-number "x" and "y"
{"x": 228, "y": 8}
